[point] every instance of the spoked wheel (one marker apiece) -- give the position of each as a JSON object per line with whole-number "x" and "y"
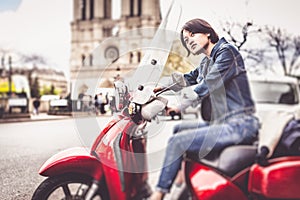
{"x": 68, "y": 187}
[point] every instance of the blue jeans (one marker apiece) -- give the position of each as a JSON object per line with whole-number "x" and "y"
{"x": 201, "y": 138}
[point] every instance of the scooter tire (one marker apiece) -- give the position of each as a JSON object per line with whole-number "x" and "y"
{"x": 51, "y": 184}
{"x": 185, "y": 195}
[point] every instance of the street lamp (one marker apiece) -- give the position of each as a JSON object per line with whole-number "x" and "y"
{"x": 2, "y": 66}
{"x": 9, "y": 76}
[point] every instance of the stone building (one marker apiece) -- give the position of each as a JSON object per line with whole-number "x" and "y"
{"x": 46, "y": 77}
{"x": 27, "y": 69}
{"x": 103, "y": 48}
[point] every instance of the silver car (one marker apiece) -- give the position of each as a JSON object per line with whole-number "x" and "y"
{"x": 275, "y": 93}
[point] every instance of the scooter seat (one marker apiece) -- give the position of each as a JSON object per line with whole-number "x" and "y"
{"x": 233, "y": 159}
{"x": 230, "y": 161}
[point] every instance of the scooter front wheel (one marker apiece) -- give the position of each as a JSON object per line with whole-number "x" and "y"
{"x": 68, "y": 187}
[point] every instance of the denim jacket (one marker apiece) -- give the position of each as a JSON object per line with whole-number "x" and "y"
{"x": 223, "y": 77}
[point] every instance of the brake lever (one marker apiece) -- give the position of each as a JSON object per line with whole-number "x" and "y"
{"x": 165, "y": 89}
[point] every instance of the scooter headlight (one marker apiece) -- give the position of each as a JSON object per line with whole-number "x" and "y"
{"x": 131, "y": 108}
{"x": 134, "y": 110}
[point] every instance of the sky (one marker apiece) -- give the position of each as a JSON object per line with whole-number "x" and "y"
{"x": 9, "y": 5}
{"x": 43, "y": 26}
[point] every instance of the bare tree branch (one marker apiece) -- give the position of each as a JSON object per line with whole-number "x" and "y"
{"x": 255, "y": 54}
{"x": 244, "y": 29}
{"x": 239, "y": 34}
{"x": 296, "y": 54}
{"x": 280, "y": 41}
{"x": 34, "y": 59}
{"x": 286, "y": 47}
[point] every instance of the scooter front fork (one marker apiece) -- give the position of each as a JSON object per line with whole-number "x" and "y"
{"x": 92, "y": 190}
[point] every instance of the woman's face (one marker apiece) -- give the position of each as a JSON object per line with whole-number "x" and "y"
{"x": 196, "y": 42}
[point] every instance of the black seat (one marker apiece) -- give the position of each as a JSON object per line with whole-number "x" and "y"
{"x": 236, "y": 158}
{"x": 230, "y": 161}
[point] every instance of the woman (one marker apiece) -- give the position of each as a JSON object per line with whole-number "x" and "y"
{"x": 220, "y": 78}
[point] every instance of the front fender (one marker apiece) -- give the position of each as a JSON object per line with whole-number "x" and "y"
{"x": 72, "y": 160}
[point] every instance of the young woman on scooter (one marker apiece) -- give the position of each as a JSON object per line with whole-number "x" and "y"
{"x": 221, "y": 79}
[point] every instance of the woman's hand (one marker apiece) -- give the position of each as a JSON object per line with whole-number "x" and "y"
{"x": 157, "y": 89}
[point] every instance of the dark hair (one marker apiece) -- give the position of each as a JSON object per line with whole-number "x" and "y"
{"x": 198, "y": 26}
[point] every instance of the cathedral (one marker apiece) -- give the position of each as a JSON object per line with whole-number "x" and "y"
{"x": 104, "y": 48}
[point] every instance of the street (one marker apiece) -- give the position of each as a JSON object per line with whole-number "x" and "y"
{"x": 25, "y": 146}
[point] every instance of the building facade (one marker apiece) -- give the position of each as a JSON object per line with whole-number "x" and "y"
{"x": 103, "y": 48}
{"x": 47, "y": 78}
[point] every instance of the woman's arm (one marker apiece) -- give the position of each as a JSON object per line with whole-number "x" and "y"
{"x": 226, "y": 66}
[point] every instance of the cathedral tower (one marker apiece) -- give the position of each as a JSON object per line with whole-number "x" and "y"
{"x": 93, "y": 23}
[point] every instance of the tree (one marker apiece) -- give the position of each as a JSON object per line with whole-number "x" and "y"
{"x": 279, "y": 40}
{"x": 34, "y": 59}
{"x": 35, "y": 88}
{"x": 245, "y": 29}
{"x": 238, "y": 34}
{"x": 287, "y": 48}
{"x": 52, "y": 89}
{"x": 296, "y": 54}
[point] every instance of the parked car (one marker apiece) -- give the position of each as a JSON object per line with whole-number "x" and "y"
{"x": 275, "y": 93}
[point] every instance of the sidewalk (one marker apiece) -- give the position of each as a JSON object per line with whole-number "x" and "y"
{"x": 31, "y": 117}
{"x": 44, "y": 116}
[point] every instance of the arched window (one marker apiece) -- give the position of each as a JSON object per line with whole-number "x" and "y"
{"x": 91, "y": 9}
{"x": 139, "y": 13}
{"x": 82, "y": 9}
{"x": 139, "y": 55}
{"x": 107, "y": 32}
{"x": 131, "y": 6}
{"x": 82, "y": 60}
{"x": 135, "y": 8}
{"x": 91, "y": 59}
{"x": 107, "y": 9}
{"x": 130, "y": 57}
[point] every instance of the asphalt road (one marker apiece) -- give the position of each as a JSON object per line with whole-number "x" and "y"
{"x": 23, "y": 149}
{"x": 25, "y": 146}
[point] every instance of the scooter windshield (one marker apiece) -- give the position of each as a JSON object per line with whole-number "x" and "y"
{"x": 150, "y": 68}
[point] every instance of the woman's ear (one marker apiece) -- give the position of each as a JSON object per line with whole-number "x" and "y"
{"x": 208, "y": 36}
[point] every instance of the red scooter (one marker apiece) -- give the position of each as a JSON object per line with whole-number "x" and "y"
{"x": 116, "y": 167}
